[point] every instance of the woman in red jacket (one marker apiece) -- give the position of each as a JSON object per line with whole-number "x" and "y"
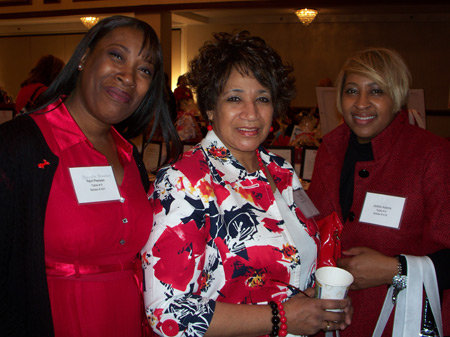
{"x": 389, "y": 182}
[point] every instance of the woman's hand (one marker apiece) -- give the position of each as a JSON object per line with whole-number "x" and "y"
{"x": 369, "y": 267}
{"x": 307, "y": 315}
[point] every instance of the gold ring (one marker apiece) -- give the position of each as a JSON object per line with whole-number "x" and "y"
{"x": 328, "y": 326}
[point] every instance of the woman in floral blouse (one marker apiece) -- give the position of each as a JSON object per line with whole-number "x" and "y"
{"x": 229, "y": 230}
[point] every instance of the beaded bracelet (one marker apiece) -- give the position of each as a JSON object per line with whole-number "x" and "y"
{"x": 278, "y": 309}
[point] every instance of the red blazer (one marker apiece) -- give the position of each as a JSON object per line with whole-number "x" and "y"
{"x": 408, "y": 162}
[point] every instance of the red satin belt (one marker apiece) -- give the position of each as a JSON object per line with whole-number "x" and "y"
{"x": 77, "y": 270}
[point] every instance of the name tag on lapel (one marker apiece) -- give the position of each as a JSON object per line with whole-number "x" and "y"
{"x": 382, "y": 209}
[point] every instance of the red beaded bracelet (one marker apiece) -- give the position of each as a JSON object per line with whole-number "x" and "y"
{"x": 278, "y": 309}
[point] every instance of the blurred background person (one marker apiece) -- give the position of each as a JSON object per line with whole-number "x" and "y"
{"x": 186, "y": 124}
{"x": 73, "y": 191}
{"x": 39, "y": 79}
{"x": 188, "y": 121}
{"x": 228, "y": 229}
{"x": 182, "y": 91}
{"x": 376, "y": 152}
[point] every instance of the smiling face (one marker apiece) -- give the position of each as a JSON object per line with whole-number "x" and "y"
{"x": 115, "y": 76}
{"x": 366, "y": 109}
{"x": 243, "y": 115}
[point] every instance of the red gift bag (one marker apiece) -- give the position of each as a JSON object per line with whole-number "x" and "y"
{"x": 330, "y": 228}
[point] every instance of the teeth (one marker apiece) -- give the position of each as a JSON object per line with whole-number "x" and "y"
{"x": 364, "y": 118}
{"x": 248, "y": 129}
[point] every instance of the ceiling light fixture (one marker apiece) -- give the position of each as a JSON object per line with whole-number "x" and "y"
{"x": 89, "y": 21}
{"x": 306, "y": 15}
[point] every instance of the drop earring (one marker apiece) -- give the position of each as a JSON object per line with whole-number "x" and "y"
{"x": 271, "y": 129}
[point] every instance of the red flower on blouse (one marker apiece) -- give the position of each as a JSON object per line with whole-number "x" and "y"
{"x": 250, "y": 279}
{"x": 272, "y": 225}
{"x": 219, "y": 152}
{"x": 290, "y": 253}
{"x": 181, "y": 247}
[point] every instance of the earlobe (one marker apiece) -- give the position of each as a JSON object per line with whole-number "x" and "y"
{"x": 82, "y": 60}
{"x": 210, "y": 115}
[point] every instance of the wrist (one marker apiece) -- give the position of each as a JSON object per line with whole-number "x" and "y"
{"x": 399, "y": 281}
{"x": 279, "y": 326}
{"x": 401, "y": 265}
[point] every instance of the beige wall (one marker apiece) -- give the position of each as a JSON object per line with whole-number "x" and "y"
{"x": 316, "y": 51}
{"x": 319, "y": 50}
{"x": 19, "y": 55}
{"x": 176, "y": 57}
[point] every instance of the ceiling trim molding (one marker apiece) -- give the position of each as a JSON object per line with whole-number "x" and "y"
{"x": 353, "y": 6}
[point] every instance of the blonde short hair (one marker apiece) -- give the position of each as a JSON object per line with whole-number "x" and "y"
{"x": 383, "y": 66}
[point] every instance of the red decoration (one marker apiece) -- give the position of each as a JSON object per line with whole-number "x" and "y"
{"x": 283, "y": 327}
{"x": 43, "y": 164}
{"x": 260, "y": 162}
{"x": 170, "y": 327}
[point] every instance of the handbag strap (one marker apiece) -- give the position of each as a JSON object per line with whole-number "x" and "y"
{"x": 31, "y": 101}
{"x": 408, "y": 312}
{"x": 386, "y": 312}
{"x": 432, "y": 291}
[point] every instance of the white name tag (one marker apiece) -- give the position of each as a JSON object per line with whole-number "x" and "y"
{"x": 305, "y": 204}
{"x": 382, "y": 209}
{"x": 94, "y": 184}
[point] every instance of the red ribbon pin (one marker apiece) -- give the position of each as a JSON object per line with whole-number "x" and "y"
{"x": 43, "y": 164}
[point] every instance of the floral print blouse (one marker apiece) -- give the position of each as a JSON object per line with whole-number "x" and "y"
{"x": 218, "y": 235}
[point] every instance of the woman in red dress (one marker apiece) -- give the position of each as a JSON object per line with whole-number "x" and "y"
{"x": 74, "y": 192}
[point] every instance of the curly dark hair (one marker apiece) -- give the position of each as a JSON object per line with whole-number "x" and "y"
{"x": 249, "y": 55}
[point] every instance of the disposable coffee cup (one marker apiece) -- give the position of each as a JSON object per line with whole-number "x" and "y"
{"x": 332, "y": 283}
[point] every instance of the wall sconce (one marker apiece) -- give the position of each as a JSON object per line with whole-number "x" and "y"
{"x": 306, "y": 15}
{"x": 89, "y": 21}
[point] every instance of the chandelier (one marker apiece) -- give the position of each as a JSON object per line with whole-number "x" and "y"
{"x": 89, "y": 21}
{"x": 306, "y": 15}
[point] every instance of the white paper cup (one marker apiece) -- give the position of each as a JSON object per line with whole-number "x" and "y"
{"x": 332, "y": 283}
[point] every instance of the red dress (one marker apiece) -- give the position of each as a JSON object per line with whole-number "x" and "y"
{"x": 94, "y": 234}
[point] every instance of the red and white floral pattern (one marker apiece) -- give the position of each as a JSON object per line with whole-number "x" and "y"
{"x": 218, "y": 235}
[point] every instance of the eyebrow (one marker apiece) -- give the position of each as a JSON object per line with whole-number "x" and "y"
{"x": 262, "y": 91}
{"x": 147, "y": 59}
{"x": 356, "y": 84}
{"x": 115, "y": 44}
